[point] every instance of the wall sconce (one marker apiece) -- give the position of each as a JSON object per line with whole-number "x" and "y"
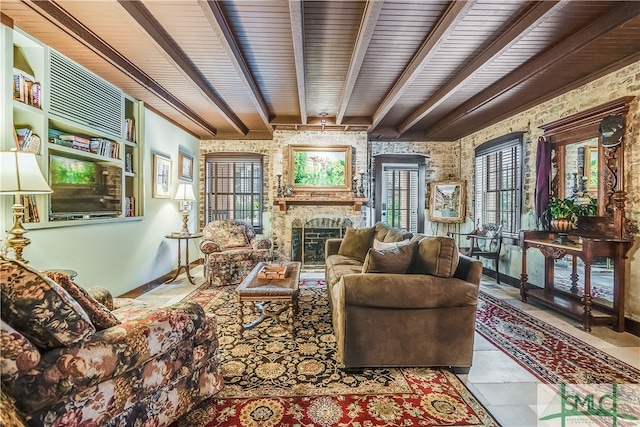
{"x": 185, "y": 195}
{"x": 20, "y": 175}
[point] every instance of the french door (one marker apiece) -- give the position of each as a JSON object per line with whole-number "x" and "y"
{"x": 400, "y": 191}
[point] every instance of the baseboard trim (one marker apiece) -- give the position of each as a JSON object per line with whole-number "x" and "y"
{"x": 630, "y": 325}
{"x": 142, "y": 289}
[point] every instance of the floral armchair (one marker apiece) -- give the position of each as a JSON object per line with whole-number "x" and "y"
{"x": 231, "y": 250}
{"x": 69, "y": 359}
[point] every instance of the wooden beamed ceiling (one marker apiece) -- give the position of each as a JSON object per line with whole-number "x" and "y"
{"x": 427, "y": 70}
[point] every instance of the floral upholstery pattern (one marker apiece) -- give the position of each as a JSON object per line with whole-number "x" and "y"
{"x": 39, "y": 308}
{"x": 99, "y": 315}
{"x": 148, "y": 370}
{"x": 225, "y": 262}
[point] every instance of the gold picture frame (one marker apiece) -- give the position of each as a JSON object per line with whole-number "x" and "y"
{"x": 447, "y": 201}
{"x": 591, "y": 167}
{"x": 161, "y": 177}
{"x": 313, "y": 168}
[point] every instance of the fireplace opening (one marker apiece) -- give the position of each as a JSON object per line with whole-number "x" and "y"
{"x": 308, "y": 239}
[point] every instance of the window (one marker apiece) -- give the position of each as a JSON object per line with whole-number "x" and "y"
{"x": 498, "y": 178}
{"x": 233, "y": 188}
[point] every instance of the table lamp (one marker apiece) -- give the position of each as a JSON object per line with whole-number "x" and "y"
{"x": 20, "y": 174}
{"x": 185, "y": 195}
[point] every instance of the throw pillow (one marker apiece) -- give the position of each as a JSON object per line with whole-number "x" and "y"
{"x": 39, "y": 308}
{"x": 356, "y": 242}
{"x": 386, "y": 233}
{"x": 436, "y": 256}
{"x": 235, "y": 238}
{"x": 395, "y": 260}
{"x": 377, "y": 244}
{"x": 99, "y": 315}
{"x": 18, "y": 354}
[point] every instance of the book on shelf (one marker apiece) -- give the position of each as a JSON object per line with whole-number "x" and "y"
{"x": 130, "y": 206}
{"x": 26, "y": 140}
{"x": 26, "y": 89}
{"x": 30, "y": 208}
{"x": 128, "y": 162}
{"x": 130, "y": 127}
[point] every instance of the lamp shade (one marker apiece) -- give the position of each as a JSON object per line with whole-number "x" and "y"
{"x": 185, "y": 192}
{"x": 20, "y": 174}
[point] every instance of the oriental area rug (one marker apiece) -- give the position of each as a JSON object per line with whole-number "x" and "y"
{"x": 274, "y": 380}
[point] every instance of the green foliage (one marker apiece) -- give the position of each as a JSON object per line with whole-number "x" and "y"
{"x": 569, "y": 208}
{"x": 309, "y": 171}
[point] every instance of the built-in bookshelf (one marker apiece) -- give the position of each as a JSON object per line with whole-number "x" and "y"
{"x": 88, "y": 140}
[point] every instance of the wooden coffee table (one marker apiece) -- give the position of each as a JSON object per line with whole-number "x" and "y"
{"x": 262, "y": 291}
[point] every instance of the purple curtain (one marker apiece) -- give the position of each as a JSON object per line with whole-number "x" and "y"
{"x": 543, "y": 170}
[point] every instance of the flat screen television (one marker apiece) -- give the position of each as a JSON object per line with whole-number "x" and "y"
{"x": 83, "y": 188}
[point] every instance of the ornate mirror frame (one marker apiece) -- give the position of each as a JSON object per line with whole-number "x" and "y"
{"x": 583, "y": 126}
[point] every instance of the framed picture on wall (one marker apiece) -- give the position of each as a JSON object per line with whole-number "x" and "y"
{"x": 447, "y": 201}
{"x": 185, "y": 165}
{"x": 161, "y": 177}
{"x": 320, "y": 167}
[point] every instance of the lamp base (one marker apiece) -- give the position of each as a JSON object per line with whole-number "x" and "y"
{"x": 18, "y": 242}
{"x": 185, "y": 220}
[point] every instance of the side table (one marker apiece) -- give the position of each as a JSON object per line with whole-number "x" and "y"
{"x": 179, "y": 237}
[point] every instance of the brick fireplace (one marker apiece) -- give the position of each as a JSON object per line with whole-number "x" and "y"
{"x": 308, "y": 238}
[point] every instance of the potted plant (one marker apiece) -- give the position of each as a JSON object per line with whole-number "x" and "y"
{"x": 560, "y": 213}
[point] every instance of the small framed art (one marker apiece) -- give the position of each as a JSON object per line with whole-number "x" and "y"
{"x": 447, "y": 201}
{"x": 161, "y": 177}
{"x": 185, "y": 166}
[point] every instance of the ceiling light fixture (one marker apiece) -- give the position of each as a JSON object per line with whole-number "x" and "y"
{"x": 323, "y": 120}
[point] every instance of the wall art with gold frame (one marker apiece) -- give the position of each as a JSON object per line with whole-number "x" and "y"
{"x": 319, "y": 168}
{"x": 447, "y": 201}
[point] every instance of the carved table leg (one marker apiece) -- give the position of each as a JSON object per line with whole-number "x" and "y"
{"x": 240, "y": 326}
{"x": 574, "y": 276}
{"x": 587, "y": 297}
{"x": 523, "y": 277}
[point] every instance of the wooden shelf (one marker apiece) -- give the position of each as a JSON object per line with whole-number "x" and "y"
{"x": 284, "y": 202}
{"x": 571, "y": 306}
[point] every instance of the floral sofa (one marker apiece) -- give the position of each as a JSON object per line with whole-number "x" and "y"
{"x": 70, "y": 358}
{"x": 231, "y": 250}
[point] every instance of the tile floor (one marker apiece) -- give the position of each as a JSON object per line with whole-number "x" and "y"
{"x": 506, "y": 389}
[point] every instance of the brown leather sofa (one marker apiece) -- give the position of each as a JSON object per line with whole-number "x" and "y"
{"x": 424, "y": 317}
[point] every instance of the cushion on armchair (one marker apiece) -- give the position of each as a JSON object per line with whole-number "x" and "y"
{"x": 39, "y": 308}
{"x": 99, "y": 315}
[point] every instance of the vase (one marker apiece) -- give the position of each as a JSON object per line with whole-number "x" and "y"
{"x": 562, "y": 226}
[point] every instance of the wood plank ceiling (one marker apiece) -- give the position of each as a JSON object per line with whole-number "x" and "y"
{"x": 428, "y": 70}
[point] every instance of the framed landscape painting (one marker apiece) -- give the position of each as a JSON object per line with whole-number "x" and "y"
{"x": 447, "y": 201}
{"x": 320, "y": 168}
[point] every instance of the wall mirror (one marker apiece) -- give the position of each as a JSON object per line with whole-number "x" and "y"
{"x": 581, "y": 176}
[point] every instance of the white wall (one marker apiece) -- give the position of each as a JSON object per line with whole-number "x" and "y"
{"x": 126, "y": 254}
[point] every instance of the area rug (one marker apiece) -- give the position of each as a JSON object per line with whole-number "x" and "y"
{"x": 273, "y": 379}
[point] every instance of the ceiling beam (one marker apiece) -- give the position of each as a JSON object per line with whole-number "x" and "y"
{"x": 297, "y": 34}
{"x": 528, "y": 22}
{"x": 367, "y": 26}
{"x": 220, "y": 26}
{"x": 165, "y": 43}
{"x": 626, "y": 11}
{"x": 445, "y": 26}
{"x": 62, "y": 19}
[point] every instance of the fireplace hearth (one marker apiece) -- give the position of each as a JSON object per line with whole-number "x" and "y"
{"x": 308, "y": 239}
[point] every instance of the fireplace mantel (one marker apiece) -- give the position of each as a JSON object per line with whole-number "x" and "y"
{"x": 284, "y": 202}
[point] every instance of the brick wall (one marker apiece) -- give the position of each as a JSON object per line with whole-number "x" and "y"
{"x": 455, "y": 161}
{"x": 625, "y": 82}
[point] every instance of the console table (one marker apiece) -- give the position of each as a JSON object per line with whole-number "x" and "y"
{"x": 585, "y": 248}
{"x": 179, "y": 237}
